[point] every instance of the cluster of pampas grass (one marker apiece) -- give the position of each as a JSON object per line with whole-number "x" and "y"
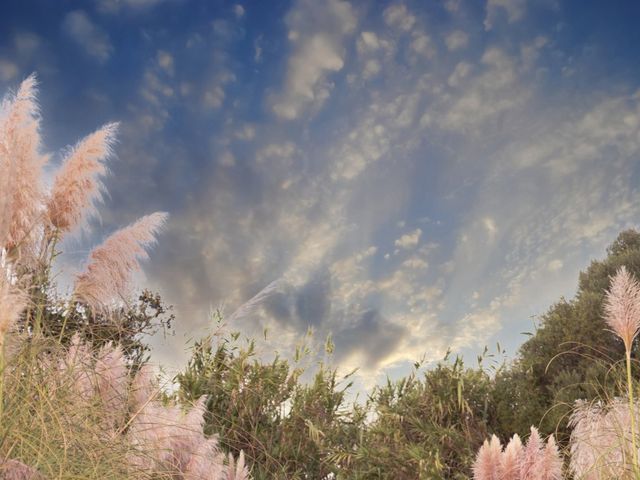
{"x": 78, "y": 411}
{"x": 32, "y": 220}
{"x": 162, "y": 438}
{"x": 601, "y": 446}
{"x": 603, "y": 440}
{"x": 534, "y": 461}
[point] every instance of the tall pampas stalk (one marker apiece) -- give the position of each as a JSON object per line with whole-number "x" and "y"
{"x": 111, "y": 264}
{"x": 622, "y": 313}
{"x": 77, "y": 185}
{"x": 22, "y": 165}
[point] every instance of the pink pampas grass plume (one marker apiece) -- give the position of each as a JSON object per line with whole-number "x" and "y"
{"x": 487, "y": 462}
{"x": 510, "y": 460}
{"x": 77, "y": 185}
{"x": 622, "y": 306}
{"x": 238, "y": 470}
{"x": 187, "y": 435}
{"x": 112, "y": 383}
{"x": 601, "y": 446}
{"x": 144, "y": 388}
{"x": 78, "y": 363}
{"x": 150, "y": 436}
{"x": 21, "y": 166}
{"x": 15, "y": 470}
{"x": 206, "y": 463}
{"x": 530, "y": 464}
{"x": 551, "y": 463}
{"x": 111, "y": 264}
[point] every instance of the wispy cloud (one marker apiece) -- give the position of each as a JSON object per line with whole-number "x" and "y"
{"x": 89, "y": 36}
{"x": 316, "y": 35}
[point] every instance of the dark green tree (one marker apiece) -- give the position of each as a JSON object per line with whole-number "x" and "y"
{"x": 571, "y": 355}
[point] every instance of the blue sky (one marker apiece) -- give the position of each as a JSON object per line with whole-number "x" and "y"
{"x": 414, "y": 176}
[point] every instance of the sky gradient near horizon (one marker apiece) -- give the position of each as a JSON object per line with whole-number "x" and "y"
{"x": 408, "y": 176}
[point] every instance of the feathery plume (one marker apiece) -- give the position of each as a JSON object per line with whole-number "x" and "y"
{"x": 600, "y": 444}
{"x": 112, "y": 381}
{"x": 15, "y": 470}
{"x": 510, "y": 460}
{"x": 143, "y": 387}
{"x": 551, "y": 463}
{"x": 237, "y": 470}
{"x": 207, "y": 462}
{"x": 622, "y": 306}
{"x": 111, "y": 264}
{"x": 531, "y": 456}
{"x": 150, "y": 436}
{"x": 21, "y": 167}
{"x": 78, "y": 363}
{"x": 487, "y": 462}
{"x": 77, "y": 185}
{"x": 187, "y": 435}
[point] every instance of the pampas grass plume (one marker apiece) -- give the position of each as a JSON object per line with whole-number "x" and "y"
{"x": 551, "y": 464}
{"x": 21, "y": 165}
{"x": 15, "y": 470}
{"x": 622, "y": 306}
{"x": 207, "y": 462}
{"x": 510, "y": 461}
{"x": 487, "y": 462}
{"x": 111, "y": 264}
{"x": 531, "y": 455}
{"x": 77, "y": 185}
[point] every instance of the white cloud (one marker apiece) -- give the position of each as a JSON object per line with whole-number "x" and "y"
{"x": 514, "y": 10}
{"x": 115, "y": 6}
{"x": 246, "y": 132}
{"x": 555, "y": 265}
{"x": 8, "y": 70}
{"x": 459, "y": 73}
{"x": 422, "y": 45}
{"x": 238, "y": 10}
{"x": 317, "y": 31}
{"x": 227, "y": 159}
{"x": 490, "y": 226}
{"x": 95, "y": 41}
{"x": 214, "y": 97}
{"x": 368, "y": 42}
{"x": 398, "y": 16}
{"x": 496, "y": 90}
{"x": 371, "y": 68}
{"x": 409, "y": 240}
{"x": 456, "y": 40}
{"x": 452, "y": 6}
{"x": 283, "y": 151}
{"x": 165, "y": 61}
